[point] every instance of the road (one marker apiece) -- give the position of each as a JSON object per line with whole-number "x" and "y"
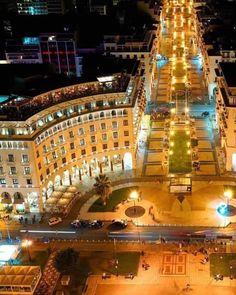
{"x": 131, "y": 232}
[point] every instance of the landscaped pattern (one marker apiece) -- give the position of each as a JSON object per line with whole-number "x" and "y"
{"x": 179, "y": 155}
{"x": 174, "y": 264}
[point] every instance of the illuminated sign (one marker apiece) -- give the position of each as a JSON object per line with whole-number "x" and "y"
{"x": 30, "y": 41}
{"x": 105, "y": 79}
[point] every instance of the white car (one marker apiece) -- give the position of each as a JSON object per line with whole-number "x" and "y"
{"x": 54, "y": 220}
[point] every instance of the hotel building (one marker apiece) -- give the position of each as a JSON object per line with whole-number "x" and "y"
{"x": 66, "y": 135}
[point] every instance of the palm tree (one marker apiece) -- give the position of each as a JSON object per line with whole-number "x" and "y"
{"x": 103, "y": 187}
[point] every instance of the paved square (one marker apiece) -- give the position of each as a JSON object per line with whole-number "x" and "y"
{"x": 204, "y": 144}
{"x": 151, "y": 170}
{"x": 206, "y": 156}
{"x": 201, "y": 133}
{"x": 209, "y": 169}
{"x": 155, "y": 144}
{"x": 157, "y": 134}
{"x": 173, "y": 265}
{"x": 156, "y": 157}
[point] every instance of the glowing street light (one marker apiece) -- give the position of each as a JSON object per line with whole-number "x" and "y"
{"x": 26, "y": 244}
{"x": 134, "y": 196}
{"x": 228, "y": 195}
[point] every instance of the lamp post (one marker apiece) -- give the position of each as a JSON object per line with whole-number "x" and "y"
{"x": 134, "y": 196}
{"x": 26, "y": 244}
{"x": 228, "y": 195}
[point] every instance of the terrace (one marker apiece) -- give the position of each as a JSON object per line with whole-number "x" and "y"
{"x": 19, "y": 110}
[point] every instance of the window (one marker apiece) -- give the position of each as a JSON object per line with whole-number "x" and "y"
{"x": 37, "y": 154}
{"x": 81, "y": 131}
{"x": 45, "y": 149}
{"x": 25, "y": 158}
{"x": 93, "y": 139}
{"x": 125, "y": 123}
{"x": 73, "y": 156}
{"x": 54, "y": 155}
{"x": 3, "y": 181}
{"x": 41, "y": 177}
{"x": 1, "y": 170}
{"x": 39, "y": 165}
{"x": 82, "y": 142}
{"x": 115, "y": 134}
{"x": 27, "y": 170}
{"x": 83, "y": 152}
{"x": 55, "y": 165}
{"x": 94, "y": 149}
{"x": 72, "y": 146}
{"x": 104, "y": 146}
{"x": 10, "y": 158}
{"x": 52, "y": 143}
{"x": 142, "y": 55}
{"x": 114, "y": 125}
{"x": 15, "y": 181}
{"x": 103, "y": 126}
{"x": 61, "y": 139}
{"x": 104, "y": 136}
{"x": 63, "y": 160}
{"x": 71, "y": 134}
{"x": 48, "y": 171}
{"x": 126, "y": 133}
{"x": 126, "y": 143}
{"x": 63, "y": 151}
{"x": 12, "y": 170}
{"x": 116, "y": 144}
{"x": 29, "y": 181}
{"x": 91, "y": 128}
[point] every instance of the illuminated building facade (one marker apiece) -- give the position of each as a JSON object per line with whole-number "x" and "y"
{"x": 67, "y": 135}
{"x": 39, "y": 7}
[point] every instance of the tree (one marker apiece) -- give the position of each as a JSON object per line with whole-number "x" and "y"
{"x": 103, "y": 187}
{"x": 65, "y": 261}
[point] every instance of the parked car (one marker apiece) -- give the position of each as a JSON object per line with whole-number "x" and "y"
{"x": 54, "y": 220}
{"x": 96, "y": 224}
{"x": 80, "y": 223}
{"x": 121, "y": 223}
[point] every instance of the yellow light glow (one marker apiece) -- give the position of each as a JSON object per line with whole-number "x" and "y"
{"x": 171, "y": 143}
{"x": 134, "y": 195}
{"x": 188, "y": 144}
{"x": 171, "y": 152}
{"x": 189, "y": 152}
{"x": 26, "y": 243}
{"x": 187, "y": 132}
{"x": 172, "y": 123}
{"x": 172, "y": 111}
{"x": 186, "y": 110}
{"x": 172, "y": 132}
{"x": 228, "y": 194}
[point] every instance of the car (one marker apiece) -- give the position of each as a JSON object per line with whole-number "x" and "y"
{"x": 96, "y": 224}
{"x": 119, "y": 223}
{"x": 76, "y": 223}
{"x": 80, "y": 223}
{"x": 54, "y": 220}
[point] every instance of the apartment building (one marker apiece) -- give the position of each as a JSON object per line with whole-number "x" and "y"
{"x": 67, "y": 135}
{"x": 226, "y": 112}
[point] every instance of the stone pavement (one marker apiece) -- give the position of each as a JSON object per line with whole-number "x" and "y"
{"x": 153, "y": 280}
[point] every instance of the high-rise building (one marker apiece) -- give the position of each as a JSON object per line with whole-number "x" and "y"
{"x": 39, "y": 7}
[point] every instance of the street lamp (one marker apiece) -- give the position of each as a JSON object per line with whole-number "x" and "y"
{"x": 134, "y": 196}
{"x": 228, "y": 195}
{"x": 26, "y": 244}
